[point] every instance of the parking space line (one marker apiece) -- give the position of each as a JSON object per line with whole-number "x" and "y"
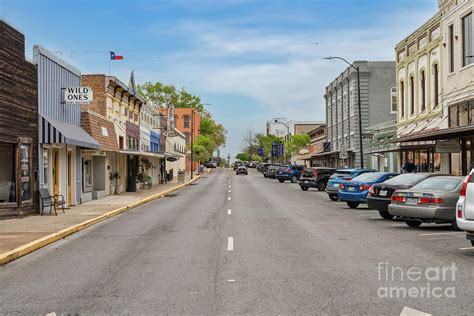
{"x": 230, "y": 243}
{"x": 447, "y": 233}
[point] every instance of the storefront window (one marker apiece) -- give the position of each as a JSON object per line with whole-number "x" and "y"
{"x": 7, "y": 173}
{"x": 25, "y": 176}
{"x": 45, "y": 166}
{"x": 87, "y": 174}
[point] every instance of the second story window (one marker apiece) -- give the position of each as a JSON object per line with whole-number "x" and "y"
{"x": 467, "y": 40}
{"x": 393, "y": 104}
{"x": 412, "y": 95}
{"x": 402, "y": 98}
{"x": 423, "y": 90}
{"x": 451, "y": 47}
{"x": 186, "y": 121}
{"x": 436, "y": 84}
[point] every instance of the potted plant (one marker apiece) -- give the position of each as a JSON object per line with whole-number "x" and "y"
{"x": 112, "y": 184}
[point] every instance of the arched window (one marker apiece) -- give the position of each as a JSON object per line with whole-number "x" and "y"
{"x": 402, "y": 99}
{"x": 436, "y": 84}
{"x": 412, "y": 95}
{"x": 423, "y": 90}
{"x": 186, "y": 120}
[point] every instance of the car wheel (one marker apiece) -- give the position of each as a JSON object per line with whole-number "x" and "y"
{"x": 304, "y": 188}
{"x": 281, "y": 180}
{"x": 264, "y": 175}
{"x": 454, "y": 225}
{"x": 353, "y": 204}
{"x": 386, "y": 215}
{"x": 413, "y": 223}
{"x": 294, "y": 179}
{"x": 333, "y": 197}
{"x": 472, "y": 243}
{"x": 321, "y": 186}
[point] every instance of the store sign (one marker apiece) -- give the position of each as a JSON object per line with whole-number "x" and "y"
{"x": 92, "y": 152}
{"x": 450, "y": 146}
{"x": 77, "y": 95}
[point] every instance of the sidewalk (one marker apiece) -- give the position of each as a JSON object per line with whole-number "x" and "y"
{"x": 16, "y": 233}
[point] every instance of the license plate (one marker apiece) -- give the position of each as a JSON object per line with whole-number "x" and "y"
{"x": 350, "y": 189}
{"x": 411, "y": 201}
{"x": 306, "y": 181}
{"x": 336, "y": 185}
{"x": 383, "y": 193}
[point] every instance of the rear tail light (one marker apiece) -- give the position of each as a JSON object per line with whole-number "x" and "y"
{"x": 315, "y": 172}
{"x": 467, "y": 179}
{"x": 288, "y": 170}
{"x": 430, "y": 200}
{"x": 364, "y": 187}
{"x": 398, "y": 198}
{"x": 459, "y": 213}
{"x": 371, "y": 190}
{"x": 341, "y": 186}
{"x": 347, "y": 178}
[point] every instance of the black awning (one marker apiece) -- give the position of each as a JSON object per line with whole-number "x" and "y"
{"x": 441, "y": 134}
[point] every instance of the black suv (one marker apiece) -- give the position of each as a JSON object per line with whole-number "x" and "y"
{"x": 237, "y": 164}
{"x": 316, "y": 177}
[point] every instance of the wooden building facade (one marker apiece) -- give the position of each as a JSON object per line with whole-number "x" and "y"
{"x": 18, "y": 126}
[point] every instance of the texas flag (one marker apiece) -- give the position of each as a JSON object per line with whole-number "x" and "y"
{"x": 115, "y": 57}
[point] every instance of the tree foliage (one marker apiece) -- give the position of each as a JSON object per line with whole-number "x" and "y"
{"x": 297, "y": 142}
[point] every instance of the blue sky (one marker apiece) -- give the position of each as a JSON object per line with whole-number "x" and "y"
{"x": 250, "y": 59}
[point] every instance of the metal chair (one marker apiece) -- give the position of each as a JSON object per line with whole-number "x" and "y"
{"x": 53, "y": 201}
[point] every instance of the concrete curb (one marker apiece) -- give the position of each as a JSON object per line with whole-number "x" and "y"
{"x": 46, "y": 240}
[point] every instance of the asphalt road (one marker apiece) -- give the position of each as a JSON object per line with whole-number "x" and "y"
{"x": 245, "y": 245}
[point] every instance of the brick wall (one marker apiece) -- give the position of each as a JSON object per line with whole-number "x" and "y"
{"x": 98, "y": 85}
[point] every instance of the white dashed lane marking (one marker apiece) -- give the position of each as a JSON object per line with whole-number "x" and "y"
{"x": 230, "y": 243}
{"x": 229, "y": 211}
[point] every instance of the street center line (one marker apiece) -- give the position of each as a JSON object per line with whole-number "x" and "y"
{"x": 231, "y": 280}
{"x": 229, "y": 211}
{"x": 434, "y": 234}
{"x": 230, "y": 243}
{"x": 228, "y": 198}
{"x": 229, "y": 191}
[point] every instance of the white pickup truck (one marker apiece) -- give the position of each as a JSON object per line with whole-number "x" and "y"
{"x": 465, "y": 207}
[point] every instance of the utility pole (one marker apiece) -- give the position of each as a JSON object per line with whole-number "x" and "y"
{"x": 192, "y": 144}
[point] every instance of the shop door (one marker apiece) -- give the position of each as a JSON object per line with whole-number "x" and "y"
{"x": 69, "y": 179}
{"x": 55, "y": 171}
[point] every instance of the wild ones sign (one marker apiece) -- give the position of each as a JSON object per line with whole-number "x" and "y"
{"x": 77, "y": 95}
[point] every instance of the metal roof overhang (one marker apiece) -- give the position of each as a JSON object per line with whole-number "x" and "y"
{"x": 57, "y": 132}
{"x": 440, "y": 134}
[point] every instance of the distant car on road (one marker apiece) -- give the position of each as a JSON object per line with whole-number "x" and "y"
{"x": 316, "y": 177}
{"x": 271, "y": 169}
{"x": 354, "y": 192}
{"x": 380, "y": 194}
{"x": 431, "y": 201}
{"x": 262, "y": 167}
{"x": 237, "y": 164}
{"x": 291, "y": 173}
{"x": 342, "y": 176}
{"x": 211, "y": 164}
{"x": 241, "y": 170}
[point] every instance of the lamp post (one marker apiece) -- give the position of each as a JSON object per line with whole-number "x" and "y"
{"x": 277, "y": 120}
{"x": 359, "y": 105}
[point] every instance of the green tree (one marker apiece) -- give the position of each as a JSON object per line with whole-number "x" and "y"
{"x": 266, "y": 141}
{"x": 242, "y": 156}
{"x": 296, "y": 143}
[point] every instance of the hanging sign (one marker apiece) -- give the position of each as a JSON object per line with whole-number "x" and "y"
{"x": 77, "y": 95}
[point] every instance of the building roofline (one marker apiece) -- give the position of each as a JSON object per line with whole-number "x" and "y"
{"x": 38, "y": 49}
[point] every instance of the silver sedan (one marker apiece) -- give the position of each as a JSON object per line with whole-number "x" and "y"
{"x": 430, "y": 201}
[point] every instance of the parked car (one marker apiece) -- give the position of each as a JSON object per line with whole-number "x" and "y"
{"x": 291, "y": 173}
{"x": 237, "y": 164}
{"x": 270, "y": 173}
{"x": 252, "y": 164}
{"x": 354, "y": 192}
{"x": 211, "y": 164}
{"x": 241, "y": 170}
{"x": 430, "y": 201}
{"x": 262, "y": 167}
{"x": 465, "y": 207}
{"x": 342, "y": 176}
{"x": 381, "y": 193}
{"x": 316, "y": 177}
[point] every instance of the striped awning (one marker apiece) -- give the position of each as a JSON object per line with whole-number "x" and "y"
{"x": 56, "y": 132}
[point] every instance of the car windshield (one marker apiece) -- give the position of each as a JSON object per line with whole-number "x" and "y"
{"x": 407, "y": 179}
{"x": 438, "y": 184}
{"x": 368, "y": 177}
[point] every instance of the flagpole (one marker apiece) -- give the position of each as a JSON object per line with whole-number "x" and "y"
{"x": 109, "y": 64}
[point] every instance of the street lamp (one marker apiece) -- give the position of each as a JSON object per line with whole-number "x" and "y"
{"x": 277, "y": 120}
{"x": 360, "y": 111}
